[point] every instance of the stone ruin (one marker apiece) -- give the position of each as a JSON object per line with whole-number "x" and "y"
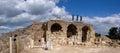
{"x": 60, "y": 33}
{"x": 53, "y": 33}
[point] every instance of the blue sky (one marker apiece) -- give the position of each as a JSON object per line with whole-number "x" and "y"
{"x": 102, "y": 14}
{"x": 91, "y": 8}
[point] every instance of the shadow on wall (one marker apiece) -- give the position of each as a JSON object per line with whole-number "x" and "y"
{"x": 85, "y": 31}
{"x": 71, "y": 30}
{"x": 56, "y": 27}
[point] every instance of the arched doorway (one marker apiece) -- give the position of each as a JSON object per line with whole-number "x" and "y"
{"x": 56, "y": 27}
{"x": 85, "y": 30}
{"x": 56, "y": 33}
{"x": 71, "y": 30}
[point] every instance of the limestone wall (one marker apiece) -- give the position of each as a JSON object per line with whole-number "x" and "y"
{"x": 60, "y": 37}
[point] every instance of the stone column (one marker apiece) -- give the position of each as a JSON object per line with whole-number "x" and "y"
{"x": 79, "y": 37}
{"x": 64, "y": 28}
{"x": 92, "y": 36}
{"x": 32, "y": 43}
{"x": 88, "y": 36}
{"x": 10, "y": 44}
{"x": 47, "y": 35}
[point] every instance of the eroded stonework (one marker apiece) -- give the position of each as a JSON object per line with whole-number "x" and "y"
{"x": 52, "y": 34}
{"x": 60, "y": 33}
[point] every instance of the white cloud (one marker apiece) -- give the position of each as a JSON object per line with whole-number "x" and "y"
{"x": 36, "y": 7}
{"x": 59, "y": 12}
{"x": 7, "y": 8}
{"x": 21, "y": 13}
{"x": 4, "y": 27}
{"x": 103, "y": 24}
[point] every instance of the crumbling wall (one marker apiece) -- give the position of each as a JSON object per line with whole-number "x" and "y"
{"x": 4, "y": 44}
{"x": 56, "y": 32}
{"x": 36, "y": 31}
{"x": 24, "y": 43}
{"x": 69, "y": 33}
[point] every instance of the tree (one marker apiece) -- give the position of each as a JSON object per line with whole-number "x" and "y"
{"x": 119, "y": 33}
{"x": 97, "y": 35}
{"x": 114, "y": 33}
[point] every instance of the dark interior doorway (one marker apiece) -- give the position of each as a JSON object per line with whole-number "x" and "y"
{"x": 56, "y": 27}
{"x": 71, "y": 30}
{"x": 84, "y": 33}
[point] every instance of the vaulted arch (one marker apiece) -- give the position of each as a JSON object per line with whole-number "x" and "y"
{"x": 71, "y": 30}
{"x": 85, "y": 31}
{"x": 56, "y": 27}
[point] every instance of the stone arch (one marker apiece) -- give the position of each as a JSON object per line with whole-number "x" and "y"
{"x": 71, "y": 30}
{"x": 85, "y": 33}
{"x": 56, "y": 27}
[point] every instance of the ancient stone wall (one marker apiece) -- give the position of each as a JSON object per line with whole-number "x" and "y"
{"x": 36, "y": 31}
{"x": 69, "y": 33}
{"x": 54, "y": 32}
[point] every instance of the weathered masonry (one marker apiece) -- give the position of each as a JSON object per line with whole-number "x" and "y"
{"x": 53, "y": 33}
{"x": 60, "y": 33}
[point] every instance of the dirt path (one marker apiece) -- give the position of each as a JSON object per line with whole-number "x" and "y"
{"x": 74, "y": 50}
